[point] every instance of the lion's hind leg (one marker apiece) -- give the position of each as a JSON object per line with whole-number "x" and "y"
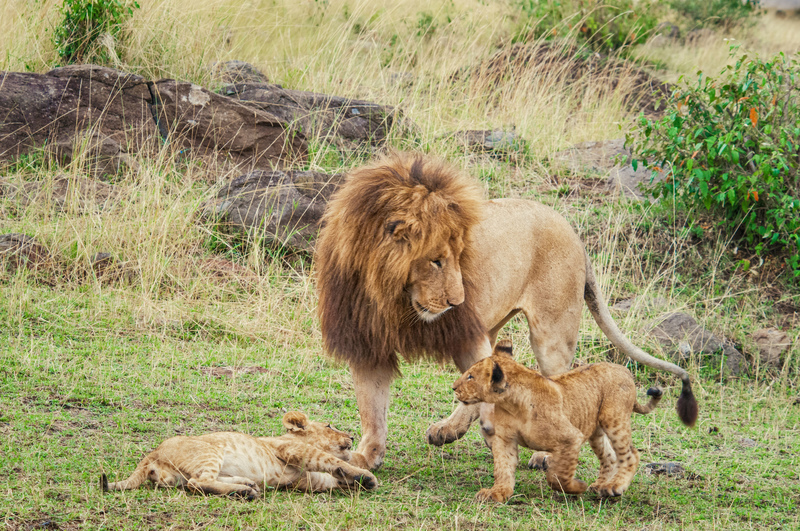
{"x": 627, "y": 457}
{"x": 608, "y": 460}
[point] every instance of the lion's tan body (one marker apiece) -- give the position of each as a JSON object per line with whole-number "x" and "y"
{"x": 311, "y": 456}
{"x": 412, "y": 261}
{"x": 557, "y": 415}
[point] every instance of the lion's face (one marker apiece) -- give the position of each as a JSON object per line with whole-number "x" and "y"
{"x": 319, "y": 434}
{"x": 434, "y": 281}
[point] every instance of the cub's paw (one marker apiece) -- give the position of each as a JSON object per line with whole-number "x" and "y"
{"x": 607, "y": 490}
{"x": 491, "y": 495}
{"x": 367, "y": 480}
{"x": 443, "y": 432}
{"x": 248, "y": 494}
{"x": 539, "y": 461}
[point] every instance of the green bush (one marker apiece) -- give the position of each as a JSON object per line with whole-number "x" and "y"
{"x": 603, "y": 25}
{"x": 724, "y": 13}
{"x": 730, "y": 147}
{"x": 83, "y": 22}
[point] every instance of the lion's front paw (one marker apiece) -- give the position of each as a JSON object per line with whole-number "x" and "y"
{"x": 539, "y": 461}
{"x": 367, "y": 480}
{"x": 491, "y": 495}
{"x": 443, "y": 432}
{"x": 373, "y": 460}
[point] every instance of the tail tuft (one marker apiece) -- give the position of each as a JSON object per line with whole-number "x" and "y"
{"x": 104, "y": 482}
{"x": 687, "y": 404}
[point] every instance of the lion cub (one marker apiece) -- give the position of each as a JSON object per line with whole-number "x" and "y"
{"x": 557, "y": 415}
{"x": 311, "y": 456}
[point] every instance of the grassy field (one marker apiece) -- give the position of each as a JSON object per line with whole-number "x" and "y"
{"x": 95, "y": 372}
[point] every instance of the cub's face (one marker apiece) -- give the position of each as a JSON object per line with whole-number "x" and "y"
{"x": 435, "y": 283}
{"x": 329, "y": 439}
{"x": 475, "y": 384}
{"x": 319, "y": 434}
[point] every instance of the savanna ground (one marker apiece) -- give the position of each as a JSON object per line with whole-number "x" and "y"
{"x": 95, "y": 372}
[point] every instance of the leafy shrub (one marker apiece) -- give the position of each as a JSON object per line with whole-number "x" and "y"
{"x": 83, "y": 22}
{"x": 725, "y": 13}
{"x": 603, "y": 25}
{"x": 730, "y": 147}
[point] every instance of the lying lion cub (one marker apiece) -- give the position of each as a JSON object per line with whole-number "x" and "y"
{"x": 311, "y": 456}
{"x": 557, "y": 415}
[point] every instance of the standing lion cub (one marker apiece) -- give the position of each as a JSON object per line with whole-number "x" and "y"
{"x": 310, "y": 456}
{"x": 557, "y": 415}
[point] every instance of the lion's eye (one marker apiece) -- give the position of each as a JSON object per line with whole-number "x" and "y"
{"x": 469, "y": 377}
{"x": 437, "y": 263}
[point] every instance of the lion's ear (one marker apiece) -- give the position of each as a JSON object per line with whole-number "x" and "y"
{"x": 396, "y": 230}
{"x": 295, "y": 421}
{"x": 499, "y": 384}
{"x": 503, "y": 348}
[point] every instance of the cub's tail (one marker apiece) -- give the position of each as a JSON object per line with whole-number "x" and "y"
{"x": 687, "y": 404}
{"x": 655, "y": 397}
{"x": 137, "y": 478}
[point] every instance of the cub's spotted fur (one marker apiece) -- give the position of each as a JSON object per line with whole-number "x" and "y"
{"x": 557, "y": 415}
{"x": 310, "y": 456}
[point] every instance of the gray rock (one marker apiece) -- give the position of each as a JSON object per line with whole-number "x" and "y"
{"x": 204, "y": 122}
{"x": 104, "y": 115}
{"x": 279, "y": 208}
{"x": 21, "y": 250}
{"x": 52, "y": 108}
{"x": 666, "y": 468}
{"x": 681, "y": 333}
{"x": 345, "y": 122}
{"x": 746, "y": 442}
{"x": 772, "y": 346}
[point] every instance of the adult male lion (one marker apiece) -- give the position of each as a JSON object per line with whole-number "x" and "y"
{"x": 412, "y": 261}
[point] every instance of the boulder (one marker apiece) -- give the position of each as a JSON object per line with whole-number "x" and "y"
{"x": 277, "y": 207}
{"x": 103, "y": 115}
{"x": 51, "y": 108}
{"x": 205, "y": 122}
{"x": 772, "y": 346}
{"x": 684, "y": 336}
{"x": 345, "y": 122}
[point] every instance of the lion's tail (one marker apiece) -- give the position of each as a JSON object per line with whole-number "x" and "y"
{"x": 687, "y": 404}
{"x": 655, "y": 397}
{"x": 137, "y": 478}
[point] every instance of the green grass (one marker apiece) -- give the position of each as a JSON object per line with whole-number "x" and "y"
{"x": 75, "y": 404}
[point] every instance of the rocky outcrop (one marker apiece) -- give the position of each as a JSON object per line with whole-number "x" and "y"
{"x": 42, "y": 109}
{"x": 105, "y": 114}
{"x": 276, "y": 207}
{"x": 204, "y": 122}
{"x": 345, "y": 122}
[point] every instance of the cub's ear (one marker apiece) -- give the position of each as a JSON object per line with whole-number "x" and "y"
{"x": 499, "y": 384}
{"x": 295, "y": 421}
{"x": 503, "y": 348}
